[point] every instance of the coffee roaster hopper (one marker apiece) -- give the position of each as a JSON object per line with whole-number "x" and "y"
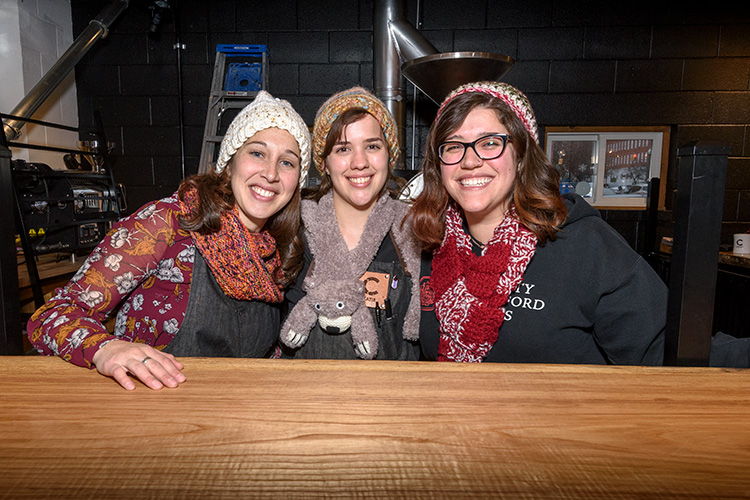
{"x": 438, "y": 74}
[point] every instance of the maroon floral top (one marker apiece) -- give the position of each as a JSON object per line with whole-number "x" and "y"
{"x": 142, "y": 269}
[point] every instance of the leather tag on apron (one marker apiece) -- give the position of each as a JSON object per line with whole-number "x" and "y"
{"x": 376, "y": 288}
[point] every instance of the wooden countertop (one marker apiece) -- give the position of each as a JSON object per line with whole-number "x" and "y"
{"x": 731, "y": 258}
{"x": 375, "y": 429}
{"x": 735, "y": 259}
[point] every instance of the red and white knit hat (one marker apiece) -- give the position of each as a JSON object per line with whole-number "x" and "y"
{"x": 510, "y": 95}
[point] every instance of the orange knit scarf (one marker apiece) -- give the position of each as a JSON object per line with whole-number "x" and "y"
{"x": 246, "y": 265}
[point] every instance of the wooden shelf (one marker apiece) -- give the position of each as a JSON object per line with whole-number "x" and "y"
{"x": 48, "y": 267}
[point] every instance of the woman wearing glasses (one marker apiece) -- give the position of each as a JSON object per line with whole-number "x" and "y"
{"x": 519, "y": 273}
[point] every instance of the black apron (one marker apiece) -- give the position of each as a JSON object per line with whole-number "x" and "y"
{"x": 216, "y": 325}
{"x": 392, "y": 346}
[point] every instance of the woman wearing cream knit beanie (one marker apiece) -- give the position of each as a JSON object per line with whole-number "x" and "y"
{"x": 354, "y": 235}
{"x": 200, "y": 273}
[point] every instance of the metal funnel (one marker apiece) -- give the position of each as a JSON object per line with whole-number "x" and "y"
{"x": 438, "y": 74}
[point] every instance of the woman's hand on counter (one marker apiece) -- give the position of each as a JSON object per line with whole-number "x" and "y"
{"x": 154, "y": 368}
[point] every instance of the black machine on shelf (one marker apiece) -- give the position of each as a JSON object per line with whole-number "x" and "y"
{"x": 76, "y": 227}
{"x": 64, "y": 210}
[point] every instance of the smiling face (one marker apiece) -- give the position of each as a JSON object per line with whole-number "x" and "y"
{"x": 358, "y": 164}
{"x": 264, "y": 174}
{"x": 481, "y": 187}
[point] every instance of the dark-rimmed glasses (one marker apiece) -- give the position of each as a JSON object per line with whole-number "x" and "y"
{"x": 488, "y": 147}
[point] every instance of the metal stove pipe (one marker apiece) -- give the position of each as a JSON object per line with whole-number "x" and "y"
{"x": 96, "y": 29}
{"x": 393, "y": 39}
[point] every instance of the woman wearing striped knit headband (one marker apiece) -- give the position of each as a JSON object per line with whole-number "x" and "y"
{"x": 520, "y": 273}
{"x": 358, "y": 294}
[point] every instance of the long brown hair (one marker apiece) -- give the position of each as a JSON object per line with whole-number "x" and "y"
{"x": 214, "y": 192}
{"x": 336, "y": 132}
{"x": 535, "y": 193}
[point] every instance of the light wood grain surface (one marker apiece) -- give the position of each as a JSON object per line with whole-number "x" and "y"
{"x": 322, "y": 429}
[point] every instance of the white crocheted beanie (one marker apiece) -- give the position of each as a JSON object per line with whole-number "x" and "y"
{"x": 265, "y": 112}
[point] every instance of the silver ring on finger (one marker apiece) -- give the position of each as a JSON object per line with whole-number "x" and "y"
{"x": 145, "y": 359}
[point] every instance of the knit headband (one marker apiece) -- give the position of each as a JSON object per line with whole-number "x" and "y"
{"x": 355, "y": 97}
{"x": 265, "y": 112}
{"x": 510, "y": 95}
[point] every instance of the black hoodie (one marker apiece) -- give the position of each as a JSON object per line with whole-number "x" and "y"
{"x": 586, "y": 297}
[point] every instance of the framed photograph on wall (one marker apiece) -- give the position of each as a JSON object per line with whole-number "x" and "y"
{"x": 610, "y": 167}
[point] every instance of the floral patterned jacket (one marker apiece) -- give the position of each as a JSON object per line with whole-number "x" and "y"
{"x": 142, "y": 269}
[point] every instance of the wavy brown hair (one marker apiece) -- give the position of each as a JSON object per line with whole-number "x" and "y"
{"x": 536, "y": 191}
{"x": 214, "y": 192}
{"x": 336, "y": 132}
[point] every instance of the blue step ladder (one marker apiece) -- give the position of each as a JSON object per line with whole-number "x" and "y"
{"x": 240, "y": 72}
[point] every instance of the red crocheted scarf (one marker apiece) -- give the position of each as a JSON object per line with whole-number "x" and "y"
{"x": 246, "y": 265}
{"x": 470, "y": 290}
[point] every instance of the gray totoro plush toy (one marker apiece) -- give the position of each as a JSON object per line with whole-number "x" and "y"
{"x": 335, "y": 294}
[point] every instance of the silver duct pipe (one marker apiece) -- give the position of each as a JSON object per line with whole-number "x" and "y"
{"x": 97, "y": 28}
{"x": 386, "y": 72}
{"x": 393, "y": 39}
{"x": 409, "y": 41}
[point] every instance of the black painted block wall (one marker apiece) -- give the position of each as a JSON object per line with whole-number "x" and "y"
{"x": 582, "y": 63}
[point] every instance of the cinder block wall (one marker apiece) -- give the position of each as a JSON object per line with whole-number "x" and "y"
{"x": 34, "y": 36}
{"x": 580, "y": 63}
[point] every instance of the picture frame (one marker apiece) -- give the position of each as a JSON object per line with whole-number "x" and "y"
{"x": 610, "y": 167}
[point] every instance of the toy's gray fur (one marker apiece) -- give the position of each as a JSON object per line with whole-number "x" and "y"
{"x": 335, "y": 294}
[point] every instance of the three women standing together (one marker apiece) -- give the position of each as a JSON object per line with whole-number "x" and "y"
{"x": 519, "y": 273}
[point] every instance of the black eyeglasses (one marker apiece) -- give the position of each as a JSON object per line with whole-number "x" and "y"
{"x": 488, "y": 147}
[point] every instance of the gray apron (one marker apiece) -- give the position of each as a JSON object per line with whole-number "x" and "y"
{"x": 216, "y": 325}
